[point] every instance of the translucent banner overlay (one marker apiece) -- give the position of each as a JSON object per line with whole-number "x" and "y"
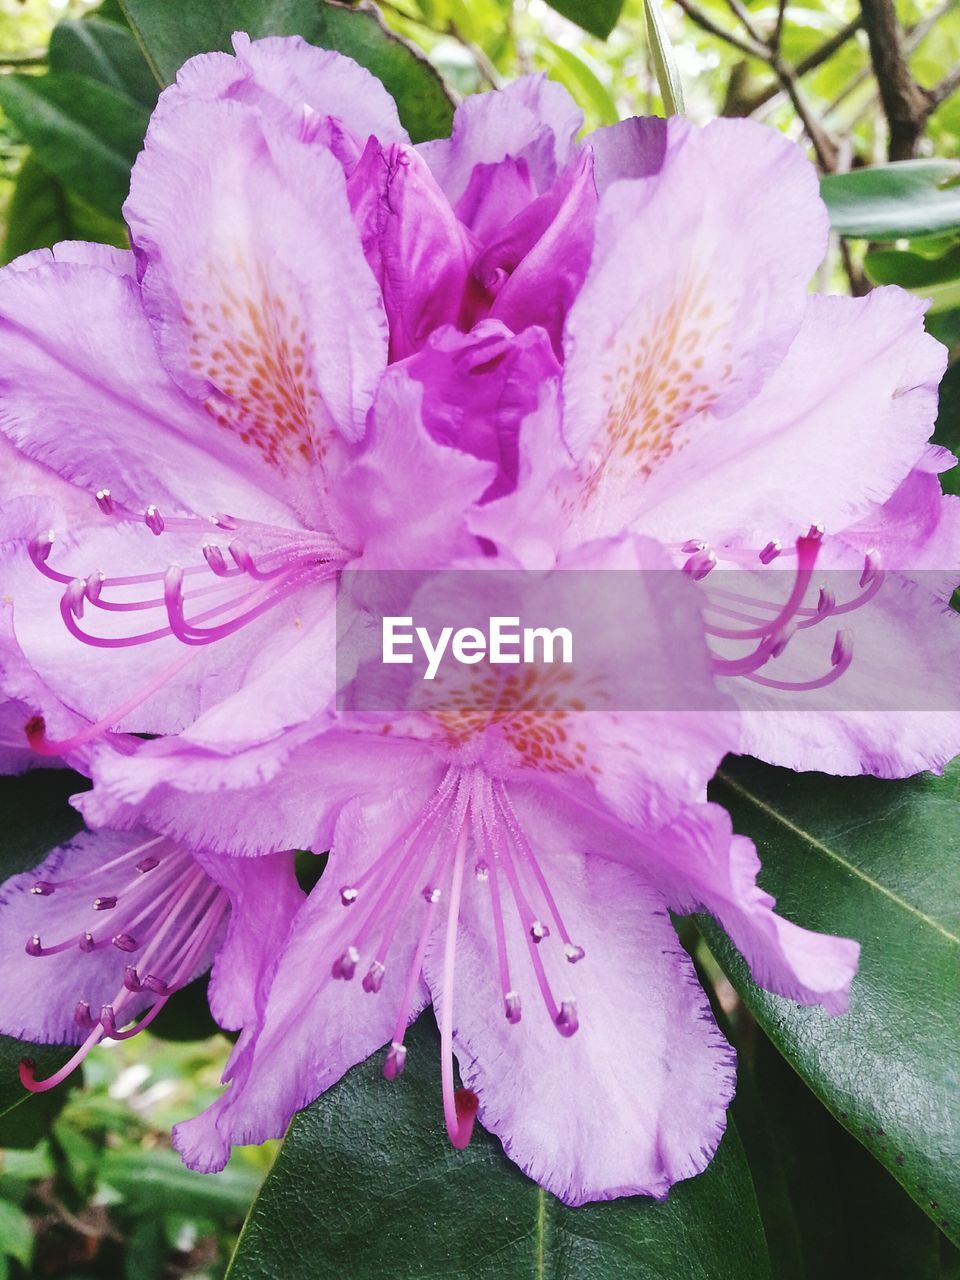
{"x": 481, "y": 644}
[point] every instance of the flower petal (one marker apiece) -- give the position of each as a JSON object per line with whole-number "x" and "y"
{"x": 635, "y": 1100}
{"x": 313, "y": 1027}
{"x": 255, "y": 280}
{"x": 691, "y": 300}
{"x": 701, "y": 866}
{"x": 532, "y": 119}
{"x": 264, "y": 898}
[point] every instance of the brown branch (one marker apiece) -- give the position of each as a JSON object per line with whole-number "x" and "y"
{"x": 752, "y": 48}
{"x": 823, "y": 145}
{"x": 905, "y": 104}
{"x": 816, "y": 58}
{"x": 740, "y": 11}
{"x": 947, "y": 86}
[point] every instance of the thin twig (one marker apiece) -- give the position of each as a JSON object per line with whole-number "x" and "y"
{"x": 947, "y": 86}
{"x": 816, "y": 58}
{"x": 740, "y": 11}
{"x": 750, "y": 47}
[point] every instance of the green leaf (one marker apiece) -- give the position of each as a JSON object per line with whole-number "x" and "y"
{"x": 599, "y": 17}
{"x": 87, "y": 133}
{"x": 875, "y": 861}
{"x": 16, "y": 1233}
{"x": 895, "y": 201}
{"x": 664, "y": 61}
{"x": 366, "y": 1185}
{"x": 912, "y": 270}
{"x": 156, "y": 1182}
{"x": 42, "y": 211}
{"x": 106, "y": 52}
{"x": 585, "y": 87}
{"x": 853, "y": 1217}
{"x": 171, "y": 31}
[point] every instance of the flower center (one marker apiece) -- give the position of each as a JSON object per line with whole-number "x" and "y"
{"x": 152, "y": 903}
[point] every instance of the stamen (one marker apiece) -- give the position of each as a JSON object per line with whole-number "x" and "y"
{"x": 460, "y": 1106}
{"x": 348, "y": 895}
{"x": 512, "y": 1006}
{"x": 105, "y": 502}
{"x": 566, "y": 1020}
{"x": 539, "y": 931}
{"x": 345, "y": 965}
{"x": 153, "y": 520}
{"x": 771, "y": 551}
{"x": 373, "y": 978}
{"x": 395, "y": 1060}
{"x": 700, "y": 564}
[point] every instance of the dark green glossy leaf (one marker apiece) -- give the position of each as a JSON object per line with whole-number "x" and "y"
{"x": 853, "y": 1218}
{"x": 42, "y": 211}
{"x": 876, "y": 861}
{"x": 912, "y": 270}
{"x": 599, "y": 17}
{"x": 86, "y": 132}
{"x": 895, "y": 201}
{"x": 36, "y": 817}
{"x": 366, "y": 1185}
{"x": 171, "y": 31}
{"x": 106, "y": 52}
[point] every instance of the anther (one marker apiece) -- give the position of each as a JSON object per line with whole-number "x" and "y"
{"x": 108, "y": 1020}
{"x": 33, "y": 947}
{"x": 241, "y": 556}
{"x": 511, "y": 1007}
{"x": 106, "y": 903}
{"x": 871, "y": 567}
{"x": 373, "y": 978}
{"x": 692, "y": 545}
{"x": 123, "y": 942}
{"x": 394, "y": 1062}
{"x": 94, "y": 586}
{"x": 826, "y": 602}
{"x": 43, "y": 888}
{"x": 771, "y": 551}
{"x": 215, "y": 559}
{"x": 566, "y": 1020}
{"x": 482, "y": 872}
{"x": 842, "y": 648}
{"x": 41, "y": 546}
{"x": 81, "y": 1016}
{"x": 156, "y": 985}
{"x": 131, "y": 979}
{"x": 430, "y": 894}
{"x": 74, "y": 596}
{"x": 815, "y": 532}
{"x": 573, "y": 952}
{"x": 153, "y": 520}
{"x": 147, "y": 864}
{"x": 348, "y": 895}
{"x": 539, "y": 931}
{"x": 105, "y": 502}
{"x": 700, "y": 564}
{"x": 345, "y": 966}
{"x": 86, "y": 942}
{"x": 783, "y": 639}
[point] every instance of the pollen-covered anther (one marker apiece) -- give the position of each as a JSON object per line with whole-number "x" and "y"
{"x": 771, "y": 551}
{"x": 573, "y": 952}
{"x": 871, "y": 567}
{"x": 373, "y": 978}
{"x": 566, "y": 1020}
{"x": 692, "y": 545}
{"x": 431, "y": 894}
{"x": 539, "y": 931}
{"x": 105, "y": 502}
{"x": 106, "y": 903}
{"x": 74, "y": 596}
{"x": 700, "y": 564}
{"x": 345, "y": 965}
{"x": 215, "y": 559}
{"x": 40, "y": 546}
{"x": 147, "y": 864}
{"x": 348, "y": 895}
{"x": 482, "y": 872}
{"x": 124, "y": 942}
{"x": 395, "y": 1060}
{"x": 815, "y": 532}
{"x": 153, "y": 520}
{"x": 842, "y": 649}
{"x": 86, "y": 942}
{"x": 512, "y": 1007}
{"x": 43, "y": 888}
{"x": 34, "y": 947}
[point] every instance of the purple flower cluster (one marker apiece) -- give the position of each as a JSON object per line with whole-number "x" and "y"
{"x": 331, "y": 350}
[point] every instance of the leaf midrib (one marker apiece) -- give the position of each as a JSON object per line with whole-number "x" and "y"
{"x": 825, "y": 849}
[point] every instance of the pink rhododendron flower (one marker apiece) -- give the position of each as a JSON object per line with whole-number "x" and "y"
{"x": 511, "y": 860}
